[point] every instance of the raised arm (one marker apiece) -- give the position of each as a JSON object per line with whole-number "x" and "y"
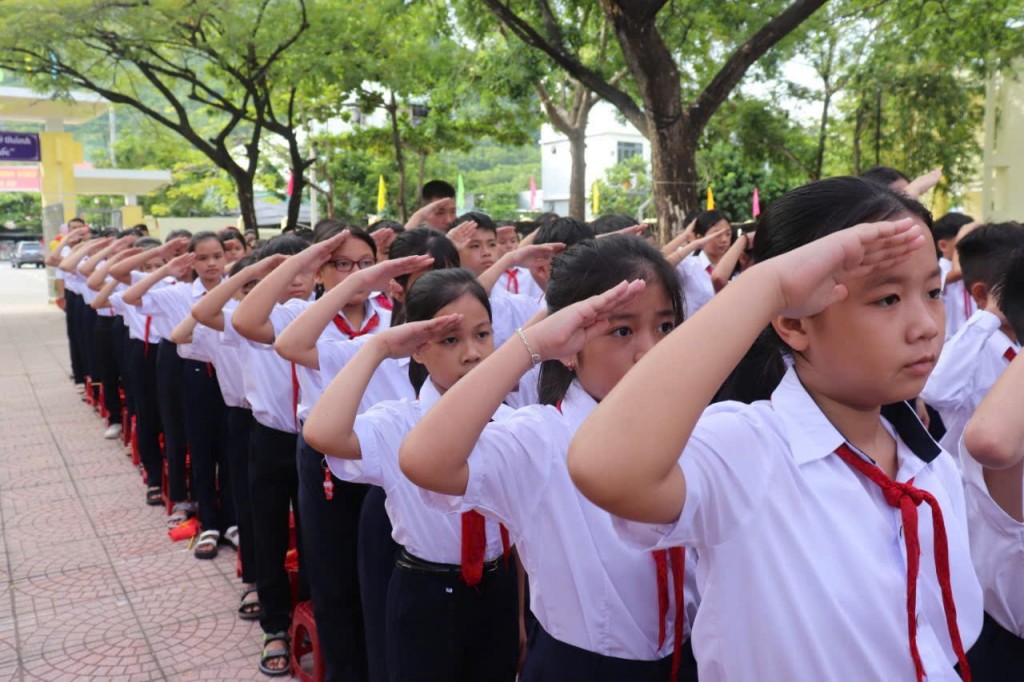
{"x": 681, "y": 239}
{"x": 70, "y": 262}
{"x": 424, "y": 214}
{"x": 183, "y": 332}
{"x": 435, "y": 453}
{"x": 87, "y": 268}
{"x": 122, "y": 271}
{"x": 297, "y": 342}
{"x": 727, "y": 263}
{"x": 209, "y": 310}
{"x": 99, "y": 273}
{"x": 329, "y": 427}
{"x": 523, "y": 256}
{"x": 102, "y": 299}
{"x": 177, "y": 267}
{"x": 676, "y": 256}
{"x": 652, "y": 411}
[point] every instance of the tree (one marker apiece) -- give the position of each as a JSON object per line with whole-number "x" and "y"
{"x": 673, "y": 126}
{"x": 158, "y": 58}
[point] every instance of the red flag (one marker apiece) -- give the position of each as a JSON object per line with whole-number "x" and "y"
{"x": 291, "y": 184}
{"x": 533, "y": 194}
{"x": 757, "y": 204}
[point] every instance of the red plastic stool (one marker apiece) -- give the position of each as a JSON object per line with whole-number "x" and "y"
{"x": 133, "y": 426}
{"x": 90, "y": 397}
{"x": 303, "y": 626}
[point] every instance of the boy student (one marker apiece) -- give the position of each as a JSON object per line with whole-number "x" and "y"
{"x": 977, "y": 354}
{"x": 437, "y": 207}
{"x": 959, "y": 305}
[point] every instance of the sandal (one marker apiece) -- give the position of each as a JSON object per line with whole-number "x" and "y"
{"x": 276, "y": 653}
{"x": 180, "y": 513}
{"x": 206, "y": 548}
{"x": 250, "y": 609}
{"x": 154, "y": 497}
{"x": 231, "y": 537}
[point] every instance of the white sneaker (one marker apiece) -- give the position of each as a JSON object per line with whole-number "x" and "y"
{"x": 113, "y": 431}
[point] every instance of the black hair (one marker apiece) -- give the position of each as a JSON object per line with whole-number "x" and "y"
{"x": 567, "y": 231}
{"x": 421, "y": 241}
{"x": 110, "y": 232}
{"x": 288, "y": 244}
{"x": 242, "y": 263}
{"x": 395, "y": 226}
{"x": 141, "y": 226}
{"x": 77, "y": 219}
{"x": 433, "y": 291}
{"x": 590, "y": 268}
{"x": 1009, "y": 293}
{"x": 612, "y": 222}
{"x": 232, "y": 234}
{"x": 987, "y": 251}
{"x": 504, "y": 223}
{"x": 436, "y": 189}
{"x": 743, "y": 228}
{"x": 176, "y": 234}
{"x": 482, "y": 220}
{"x": 200, "y": 237}
{"x": 706, "y": 220}
{"x": 146, "y": 243}
{"x": 884, "y": 175}
{"x": 948, "y": 226}
{"x": 545, "y": 218}
{"x": 329, "y": 227}
{"x": 804, "y": 215}
{"x": 303, "y": 232}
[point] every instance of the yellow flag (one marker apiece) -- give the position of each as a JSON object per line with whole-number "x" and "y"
{"x": 711, "y": 200}
{"x": 382, "y": 195}
{"x": 595, "y": 199}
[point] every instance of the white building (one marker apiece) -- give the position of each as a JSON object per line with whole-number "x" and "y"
{"x": 610, "y": 140}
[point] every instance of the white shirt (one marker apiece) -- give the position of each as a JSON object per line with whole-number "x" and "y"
{"x": 171, "y": 304}
{"x": 802, "y": 565}
{"x": 511, "y": 311}
{"x": 267, "y": 378}
{"x": 88, "y": 293}
{"x": 133, "y": 319}
{"x": 969, "y": 364}
{"x": 227, "y": 358}
{"x": 696, "y": 282}
{"x": 389, "y": 382}
{"x": 587, "y": 587}
{"x": 528, "y": 286}
{"x": 424, "y": 531}
{"x": 58, "y": 273}
{"x": 958, "y": 301}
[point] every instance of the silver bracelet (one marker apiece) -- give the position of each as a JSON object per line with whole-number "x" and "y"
{"x": 534, "y": 358}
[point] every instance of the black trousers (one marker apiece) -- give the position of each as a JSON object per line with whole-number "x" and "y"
{"x": 120, "y": 336}
{"x": 239, "y": 426}
{"x": 142, "y": 363}
{"x": 206, "y": 425}
{"x": 72, "y": 310}
{"x": 86, "y": 320}
{"x": 168, "y": 376}
{"x": 273, "y": 487}
{"x": 330, "y": 537}
{"x": 550, "y": 660}
{"x": 376, "y": 556}
{"x": 440, "y": 629}
{"x": 997, "y": 656}
{"x": 106, "y": 366}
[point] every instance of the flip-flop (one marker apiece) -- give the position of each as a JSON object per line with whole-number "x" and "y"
{"x": 231, "y": 537}
{"x": 251, "y": 609}
{"x": 206, "y": 547}
{"x": 269, "y": 654}
{"x": 153, "y": 496}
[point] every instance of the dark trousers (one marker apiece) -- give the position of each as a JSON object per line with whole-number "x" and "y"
{"x": 440, "y": 629}
{"x": 106, "y": 366}
{"x": 72, "y": 310}
{"x": 86, "y": 320}
{"x": 376, "y": 556}
{"x": 239, "y": 425}
{"x": 120, "y": 337}
{"x": 147, "y": 411}
{"x": 997, "y": 656}
{"x": 206, "y": 424}
{"x": 273, "y": 487}
{"x": 330, "y": 536}
{"x": 550, "y": 660}
{"x": 168, "y": 377}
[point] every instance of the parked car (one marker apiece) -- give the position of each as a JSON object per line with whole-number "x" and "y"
{"x": 28, "y": 253}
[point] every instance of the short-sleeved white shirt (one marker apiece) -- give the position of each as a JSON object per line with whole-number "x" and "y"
{"x": 588, "y": 588}
{"x": 511, "y": 311}
{"x": 959, "y": 305}
{"x": 802, "y": 564}
{"x": 425, "y": 532}
{"x": 389, "y": 382}
{"x": 969, "y": 364}
{"x": 267, "y": 378}
{"x": 527, "y": 285}
{"x": 227, "y": 358}
{"x": 696, "y": 282}
{"x": 171, "y": 304}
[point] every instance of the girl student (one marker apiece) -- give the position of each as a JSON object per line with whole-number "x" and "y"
{"x": 140, "y": 357}
{"x": 228, "y": 362}
{"x": 203, "y": 413}
{"x": 695, "y": 254}
{"x": 452, "y": 607}
{"x": 604, "y": 610}
{"x": 329, "y": 507}
{"x": 272, "y": 472}
{"x": 992, "y": 456}
{"x": 86, "y": 317}
{"x": 831, "y": 487}
{"x": 234, "y": 244}
{"x": 351, "y": 533}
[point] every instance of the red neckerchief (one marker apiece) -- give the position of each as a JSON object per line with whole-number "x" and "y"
{"x": 384, "y": 302}
{"x": 145, "y": 339}
{"x": 512, "y": 284}
{"x": 906, "y": 498}
{"x": 1010, "y": 354}
{"x": 345, "y": 329}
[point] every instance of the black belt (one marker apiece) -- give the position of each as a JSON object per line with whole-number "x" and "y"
{"x": 414, "y": 564}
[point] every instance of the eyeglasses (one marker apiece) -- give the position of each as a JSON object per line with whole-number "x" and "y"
{"x": 345, "y": 265}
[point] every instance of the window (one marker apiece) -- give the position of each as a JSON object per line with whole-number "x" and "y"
{"x": 627, "y": 150}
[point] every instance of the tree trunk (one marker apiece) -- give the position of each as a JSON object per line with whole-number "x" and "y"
{"x": 819, "y": 161}
{"x": 246, "y": 202}
{"x": 396, "y": 138}
{"x": 578, "y": 174}
{"x": 674, "y": 174}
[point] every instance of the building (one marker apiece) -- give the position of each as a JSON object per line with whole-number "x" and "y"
{"x": 998, "y": 193}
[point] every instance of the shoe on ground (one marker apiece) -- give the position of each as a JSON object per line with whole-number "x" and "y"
{"x": 113, "y": 431}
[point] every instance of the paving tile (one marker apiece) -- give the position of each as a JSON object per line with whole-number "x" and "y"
{"x": 183, "y": 599}
{"x": 106, "y": 621}
{"x": 53, "y": 592}
{"x": 43, "y": 555}
{"x": 128, "y": 658}
{"x": 207, "y": 642}
{"x": 158, "y": 571}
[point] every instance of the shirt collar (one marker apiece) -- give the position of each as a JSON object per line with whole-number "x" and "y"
{"x": 368, "y": 311}
{"x": 429, "y": 394}
{"x": 577, "y": 405}
{"x": 812, "y": 436}
{"x": 703, "y": 258}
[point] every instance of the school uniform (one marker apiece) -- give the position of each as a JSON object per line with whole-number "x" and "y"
{"x": 957, "y": 300}
{"x": 72, "y": 301}
{"x": 85, "y": 322}
{"x": 376, "y": 550}
{"x": 803, "y": 567}
{"x": 695, "y": 276}
{"x": 273, "y": 480}
{"x": 104, "y": 356}
{"x": 446, "y": 618}
{"x": 330, "y": 510}
{"x": 511, "y": 311}
{"x": 518, "y": 280}
{"x": 969, "y": 364}
{"x": 602, "y": 612}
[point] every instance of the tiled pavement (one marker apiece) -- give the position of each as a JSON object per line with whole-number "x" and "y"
{"x": 91, "y": 587}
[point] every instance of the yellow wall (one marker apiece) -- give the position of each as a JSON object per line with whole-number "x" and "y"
{"x": 999, "y": 193}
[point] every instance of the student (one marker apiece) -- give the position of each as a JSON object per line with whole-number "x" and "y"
{"x": 77, "y": 233}
{"x": 314, "y": 342}
{"x": 695, "y": 270}
{"x": 85, "y": 319}
{"x": 803, "y": 486}
{"x": 974, "y": 358}
{"x": 736, "y": 259}
{"x": 475, "y": 235}
{"x": 273, "y": 482}
{"x": 994, "y": 475}
{"x": 451, "y": 604}
{"x": 603, "y": 612}
{"x": 948, "y": 230}
{"x": 437, "y": 201}
{"x": 234, "y": 245}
